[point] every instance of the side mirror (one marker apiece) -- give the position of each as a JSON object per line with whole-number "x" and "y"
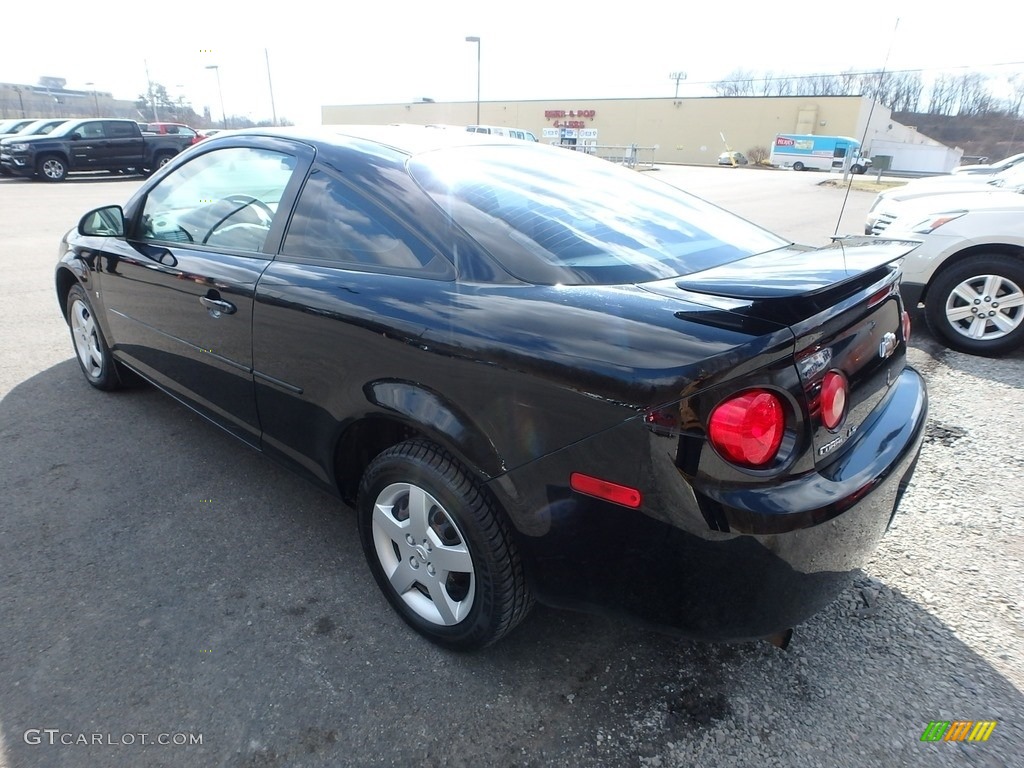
{"x": 103, "y": 222}
{"x": 76, "y": 136}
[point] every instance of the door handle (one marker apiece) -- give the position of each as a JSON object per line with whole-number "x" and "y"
{"x": 217, "y": 307}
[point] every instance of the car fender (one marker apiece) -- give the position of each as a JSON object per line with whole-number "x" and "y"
{"x": 430, "y": 413}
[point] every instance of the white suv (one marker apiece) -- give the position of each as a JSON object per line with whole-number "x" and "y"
{"x": 887, "y": 204}
{"x": 969, "y": 269}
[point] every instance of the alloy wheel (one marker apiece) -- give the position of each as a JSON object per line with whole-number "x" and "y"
{"x": 423, "y": 554}
{"x": 87, "y": 344}
{"x": 985, "y": 307}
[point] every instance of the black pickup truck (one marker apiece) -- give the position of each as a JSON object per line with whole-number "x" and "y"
{"x": 89, "y": 145}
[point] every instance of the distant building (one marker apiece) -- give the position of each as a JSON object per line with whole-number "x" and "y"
{"x": 680, "y": 130}
{"x": 51, "y": 99}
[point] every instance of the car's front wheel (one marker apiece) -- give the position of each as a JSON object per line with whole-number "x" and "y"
{"x": 91, "y": 348}
{"x": 977, "y": 305}
{"x": 439, "y": 548}
{"x": 52, "y": 168}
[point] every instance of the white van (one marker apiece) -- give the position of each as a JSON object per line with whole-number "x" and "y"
{"x": 500, "y": 130}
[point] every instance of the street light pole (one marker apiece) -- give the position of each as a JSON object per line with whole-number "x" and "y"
{"x": 220, "y": 91}
{"x": 475, "y": 39}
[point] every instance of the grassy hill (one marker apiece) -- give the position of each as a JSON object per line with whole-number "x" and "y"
{"x": 991, "y": 136}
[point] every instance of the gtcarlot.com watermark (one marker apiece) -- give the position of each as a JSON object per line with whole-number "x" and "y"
{"x": 56, "y": 737}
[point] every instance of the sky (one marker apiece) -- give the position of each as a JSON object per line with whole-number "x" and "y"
{"x": 401, "y": 51}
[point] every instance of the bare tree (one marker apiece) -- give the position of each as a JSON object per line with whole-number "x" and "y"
{"x": 739, "y": 82}
{"x": 901, "y": 91}
{"x": 783, "y": 86}
{"x": 1016, "y": 100}
{"x": 974, "y": 95}
{"x": 758, "y": 155}
{"x": 765, "y": 84}
{"x": 818, "y": 85}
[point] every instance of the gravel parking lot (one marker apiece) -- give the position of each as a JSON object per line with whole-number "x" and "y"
{"x": 159, "y": 580}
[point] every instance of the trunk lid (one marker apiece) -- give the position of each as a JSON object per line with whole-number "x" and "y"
{"x": 842, "y": 305}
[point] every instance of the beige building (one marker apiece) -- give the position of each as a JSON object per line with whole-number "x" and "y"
{"x": 683, "y": 130}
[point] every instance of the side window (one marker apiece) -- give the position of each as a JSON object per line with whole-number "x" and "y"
{"x": 117, "y": 130}
{"x": 334, "y": 223}
{"x": 90, "y": 130}
{"x": 225, "y": 199}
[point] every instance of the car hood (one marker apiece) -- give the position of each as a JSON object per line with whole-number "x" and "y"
{"x": 976, "y": 169}
{"x": 911, "y": 191}
{"x": 968, "y": 200}
{"x": 33, "y": 139}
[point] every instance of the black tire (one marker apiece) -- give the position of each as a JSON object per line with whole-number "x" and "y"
{"x": 984, "y": 325}
{"x": 91, "y": 348}
{"x": 419, "y": 511}
{"x": 52, "y": 168}
{"x": 856, "y": 170}
{"x": 798, "y": 166}
{"x": 159, "y": 161}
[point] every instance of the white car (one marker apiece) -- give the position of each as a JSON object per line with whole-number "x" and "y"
{"x": 989, "y": 168}
{"x": 969, "y": 269}
{"x": 887, "y": 204}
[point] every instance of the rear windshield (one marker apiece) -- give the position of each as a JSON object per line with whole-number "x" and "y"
{"x": 554, "y": 216}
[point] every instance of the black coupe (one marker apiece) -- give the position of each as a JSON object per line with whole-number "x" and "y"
{"x": 536, "y": 375}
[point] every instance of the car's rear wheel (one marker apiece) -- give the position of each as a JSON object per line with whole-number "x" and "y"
{"x": 91, "y": 348}
{"x": 977, "y": 305}
{"x": 52, "y": 168}
{"x": 439, "y": 548}
{"x": 798, "y": 166}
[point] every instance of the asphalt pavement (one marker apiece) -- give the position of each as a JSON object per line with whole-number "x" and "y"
{"x": 169, "y": 597}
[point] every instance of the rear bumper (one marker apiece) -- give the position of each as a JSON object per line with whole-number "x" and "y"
{"x": 664, "y": 566}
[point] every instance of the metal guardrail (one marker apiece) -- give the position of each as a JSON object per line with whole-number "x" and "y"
{"x": 629, "y": 155}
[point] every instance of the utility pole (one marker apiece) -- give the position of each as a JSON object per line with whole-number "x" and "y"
{"x": 677, "y": 76}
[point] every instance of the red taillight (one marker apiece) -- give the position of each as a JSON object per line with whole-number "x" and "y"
{"x": 603, "y": 489}
{"x": 747, "y": 429}
{"x": 833, "y": 399}
{"x": 906, "y": 327}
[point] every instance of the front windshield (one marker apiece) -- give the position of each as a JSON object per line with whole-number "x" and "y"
{"x": 552, "y": 216}
{"x": 38, "y": 128}
{"x": 67, "y": 128}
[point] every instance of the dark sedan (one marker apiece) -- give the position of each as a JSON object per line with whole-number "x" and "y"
{"x": 536, "y": 375}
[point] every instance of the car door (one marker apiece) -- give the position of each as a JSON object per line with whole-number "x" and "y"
{"x": 339, "y": 305}
{"x": 178, "y": 290}
{"x": 124, "y": 145}
{"x": 89, "y": 146}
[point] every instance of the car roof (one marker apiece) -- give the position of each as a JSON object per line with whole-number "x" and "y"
{"x": 407, "y": 139}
